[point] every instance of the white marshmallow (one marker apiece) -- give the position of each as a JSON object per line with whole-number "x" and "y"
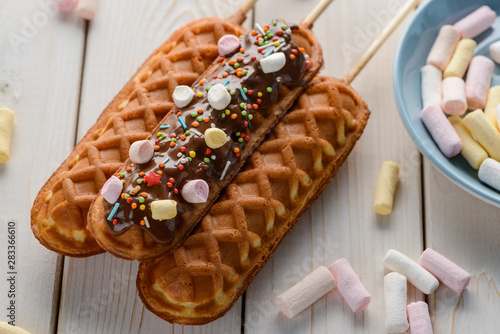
{"x": 489, "y": 173}
{"x": 396, "y": 320}
{"x": 495, "y": 51}
{"x": 431, "y": 85}
{"x": 182, "y": 96}
{"x": 273, "y": 63}
{"x": 454, "y": 101}
{"x": 141, "y": 151}
{"x": 303, "y": 294}
{"x": 218, "y": 97}
{"x": 417, "y": 275}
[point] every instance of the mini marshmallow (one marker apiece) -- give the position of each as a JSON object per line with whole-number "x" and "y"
{"x": 349, "y": 285}
{"x": 6, "y": 125}
{"x": 218, "y": 97}
{"x": 6, "y": 328}
{"x": 443, "y": 47}
{"x": 163, "y": 209}
{"x": 484, "y": 132}
{"x": 228, "y": 44}
{"x": 489, "y": 173}
{"x": 478, "y": 81}
{"x": 273, "y": 63}
{"x": 86, "y": 9}
{"x": 445, "y": 271}
{"x": 441, "y": 130}
{"x": 182, "y": 96}
{"x": 476, "y": 22}
{"x": 215, "y": 137}
{"x": 66, "y": 5}
{"x": 461, "y": 58}
{"x": 471, "y": 150}
{"x": 195, "y": 191}
{"x": 141, "y": 151}
{"x": 431, "y": 85}
{"x": 491, "y": 105}
{"x": 303, "y": 294}
{"x": 454, "y": 101}
{"x": 112, "y": 189}
{"x": 419, "y": 317}
{"x": 395, "y": 303}
{"x": 498, "y": 116}
{"x": 495, "y": 51}
{"x": 386, "y": 186}
{"x": 417, "y": 275}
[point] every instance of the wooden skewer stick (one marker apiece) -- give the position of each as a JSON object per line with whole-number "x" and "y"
{"x": 316, "y": 12}
{"x": 379, "y": 40}
{"x": 248, "y": 5}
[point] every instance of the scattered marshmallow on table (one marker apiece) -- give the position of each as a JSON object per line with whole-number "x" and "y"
{"x": 395, "y": 291}
{"x": 349, "y": 285}
{"x": 498, "y": 116}
{"x": 478, "y": 81}
{"x": 484, "y": 132}
{"x": 445, "y": 270}
{"x": 431, "y": 85}
{"x": 417, "y": 275}
{"x": 306, "y": 292}
{"x": 141, "y": 151}
{"x": 112, "y": 189}
{"x": 66, "y": 5}
{"x": 471, "y": 150}
{"x": 454, "y": 101}
{"x": 495, "y": 51}
{"x": 386, "y": 186}
{"x": 476, "y": 22}
{"x": 441, "y": 130}
{"x": 460, "y": 59}
{"x": 443, "y": 47}
{"x": 86, "y": 9}
{"x": 419, "y": 318}
{"x": 273, "y": 63}
{"x": 491, "y": 105}
{"x": 182, "y": 96}
{"x": 218, "y": 97}
{"x": 489, "y": 173}
{"x": 6, "y": 125}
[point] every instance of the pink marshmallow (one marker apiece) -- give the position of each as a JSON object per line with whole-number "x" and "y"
{"x": 66, "y": 5}
{"x": 349, "y": 285}
{"x": 141, "y": 151}
{"x": 478, "y": 81}
{"x": 476, "y": 22}
{"x": 443, "y": 47}
{"x": 112, "y": 189}
{"x": 86, "y": 9}
{"x": 419, "y": 318}
{"x": 441, "y": 130}
{"x": 195, "y": 191}
{"x": 446, "y": 271}
{"x": 454, "y": 101}
{"x": 228, "y": 44}
{"x": 303, "y": 294}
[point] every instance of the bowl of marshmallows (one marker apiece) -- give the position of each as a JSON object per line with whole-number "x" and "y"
{"x": 447, "y": 87}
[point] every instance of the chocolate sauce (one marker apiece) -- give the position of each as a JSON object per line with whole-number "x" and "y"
{"x": 253, "y": 92}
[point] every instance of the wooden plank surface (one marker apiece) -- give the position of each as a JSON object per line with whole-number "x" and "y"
{"x": 40, "y": 68}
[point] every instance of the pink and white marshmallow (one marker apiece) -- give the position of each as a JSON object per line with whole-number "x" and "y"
{"x": 141, "y": 151}
{"x": 431, "y": 85}
{"x": 349, "y": 285}
{"x": 445, "y": 270}
{"x": 87, "y": 9}
{"x": 419, "y": 317}
{"x": 454, "y": 101}
{"x": 66, "y": 5}
{"x": 441, "y": 130}
{"x": 495, "y": 51}
{"x": 195, "y": 191}
{"x": 228, "y": 44}
{"x": 476, "y": 22}
{"x": 306, "y": 292}
{"x": 443, "y": 47}
{"x": 395, "y": 291}
{"x": 112, "y": 189}
{"x": 478, "y": 81}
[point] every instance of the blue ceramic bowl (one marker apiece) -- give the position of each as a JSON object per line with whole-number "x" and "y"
{"x": 411, "y": 54}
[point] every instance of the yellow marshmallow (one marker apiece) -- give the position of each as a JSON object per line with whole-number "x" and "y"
{"x": 485, "y": 133}
{"x": 6, "y": 124}
{"x": 491, "y": 105}
{"x": 460, "y": 59}
{"x": 386, "y": 185}
{"x": 163, "y": 209}
{"x": 471, "y": 150}
{"x": 215, "y": 138}
{"x": 5, "y": 328}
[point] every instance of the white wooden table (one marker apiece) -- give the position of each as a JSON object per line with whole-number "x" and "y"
{"x": 58, "y": 73}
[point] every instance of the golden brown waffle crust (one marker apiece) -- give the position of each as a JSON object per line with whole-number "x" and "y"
{"x": 146, "y": 275}
{"x": 40, "y": 211}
